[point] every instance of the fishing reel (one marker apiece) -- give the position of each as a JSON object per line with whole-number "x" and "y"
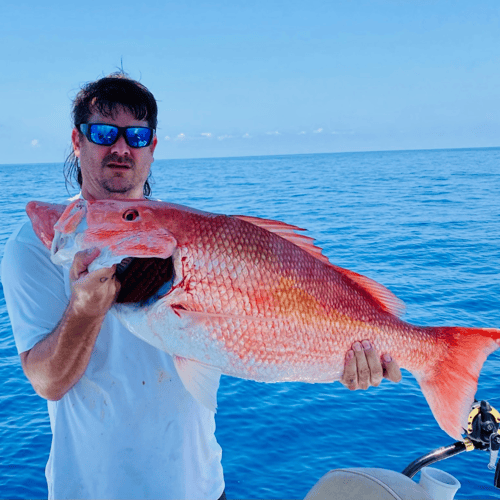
{"x": 482, "y": 434}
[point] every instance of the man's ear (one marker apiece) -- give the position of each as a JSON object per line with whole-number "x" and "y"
{"x": 75, "y": 140}
{"x": 154, "y": 143}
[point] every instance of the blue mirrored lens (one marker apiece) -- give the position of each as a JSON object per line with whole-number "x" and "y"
{"x": 103, "y": 134}
{"x": 106, "y": 135}
{"x": 138, "y": 137}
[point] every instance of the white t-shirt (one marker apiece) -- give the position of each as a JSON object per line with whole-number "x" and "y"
{"x": 128, "y": 429}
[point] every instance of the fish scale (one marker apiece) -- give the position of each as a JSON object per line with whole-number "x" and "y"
{"x": 287, "y": 344}
{"x": 254, "y": 298}
{"x": 301, "y": 301}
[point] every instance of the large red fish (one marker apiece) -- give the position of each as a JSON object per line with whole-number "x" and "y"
{"x": 255, "y": 299}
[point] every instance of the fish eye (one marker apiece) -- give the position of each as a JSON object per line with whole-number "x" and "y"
{"x": 130, "y": 215}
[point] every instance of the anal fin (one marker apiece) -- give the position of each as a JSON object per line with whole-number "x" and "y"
{"x": 201, "y": 380}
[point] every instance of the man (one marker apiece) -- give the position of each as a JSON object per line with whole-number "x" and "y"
{"x": 123, "y": 425}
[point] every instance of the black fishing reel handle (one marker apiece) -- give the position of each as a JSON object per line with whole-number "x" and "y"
{"x": 494, "y": 449}
{"x": 497, "y": 476}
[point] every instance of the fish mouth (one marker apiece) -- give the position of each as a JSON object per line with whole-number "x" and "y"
{"x": 142, "y": 278}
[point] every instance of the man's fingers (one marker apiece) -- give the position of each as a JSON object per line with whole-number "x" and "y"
{"x": 364, "y": 376}
{"x": 375, "y": 370}
{"x": 89, "y": 255}
{"x": 364, "y": 368}
{"x": 391, "y": 369}
{"x": 350, "y": 375}
{"x": 105, "y": 275}
{"x": 81, "y": 262}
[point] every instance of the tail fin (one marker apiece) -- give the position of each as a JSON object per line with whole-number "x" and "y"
{"x": 451, "y": 384}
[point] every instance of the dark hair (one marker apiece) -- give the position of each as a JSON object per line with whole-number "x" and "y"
{"x": 105, "y": 96}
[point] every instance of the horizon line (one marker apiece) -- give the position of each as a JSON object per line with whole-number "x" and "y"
{"x": 283, "y": 154}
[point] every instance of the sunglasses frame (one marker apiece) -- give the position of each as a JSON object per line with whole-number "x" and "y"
{"x": 121, "y": 132}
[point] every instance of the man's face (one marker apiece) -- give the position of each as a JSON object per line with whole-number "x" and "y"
{"x": 117, "y": 171}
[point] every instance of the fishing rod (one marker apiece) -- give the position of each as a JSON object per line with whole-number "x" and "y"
{"x": 482, "y": 434}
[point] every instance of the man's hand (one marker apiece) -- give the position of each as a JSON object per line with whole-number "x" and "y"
{"x": 92, "y": 294}
{"x": 364, "y": 367}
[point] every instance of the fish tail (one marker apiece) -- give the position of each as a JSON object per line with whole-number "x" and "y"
{"x": 450, "y": 385}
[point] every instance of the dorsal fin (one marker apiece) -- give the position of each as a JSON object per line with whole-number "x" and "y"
{"x": 288, "y": 232}
{"x": 383, "y": 296}
{"x": 379, "y": 293}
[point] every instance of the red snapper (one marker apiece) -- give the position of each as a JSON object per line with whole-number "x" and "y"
{"x": 255, "y": 299}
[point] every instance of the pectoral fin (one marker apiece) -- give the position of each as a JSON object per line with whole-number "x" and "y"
{"x": 202, "y": 381}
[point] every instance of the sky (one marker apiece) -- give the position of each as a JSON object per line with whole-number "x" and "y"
{"x": 259, "y": 77}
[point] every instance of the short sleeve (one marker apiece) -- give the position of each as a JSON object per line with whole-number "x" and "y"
{"x": 33, "y": 287}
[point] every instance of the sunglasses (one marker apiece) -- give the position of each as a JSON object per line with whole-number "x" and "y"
{"x": 106, "y": 135}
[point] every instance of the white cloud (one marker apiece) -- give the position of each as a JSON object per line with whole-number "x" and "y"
{"x": 222, "y": 137}
{"x": 35, "y": 143}
{"x": 180, "y": 137}
{"x": 303, "y": 132}
{"x": 206, "y": 134}
{"x": 246, "y": 136}
{"x": 167, "y": 138}
{"x": 273, "y": 133}
{"x": 318, "y": 131}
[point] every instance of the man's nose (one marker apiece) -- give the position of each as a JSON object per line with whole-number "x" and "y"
{"x": 120, "y": 147}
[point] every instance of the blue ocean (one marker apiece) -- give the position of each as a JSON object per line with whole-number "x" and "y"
{"x": 426, "y": 224}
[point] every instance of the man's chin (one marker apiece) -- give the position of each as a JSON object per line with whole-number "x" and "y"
{"x": 115, "y": 187}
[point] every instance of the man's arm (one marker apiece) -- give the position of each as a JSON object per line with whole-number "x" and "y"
{"x": 57, "y": 362}
{"x": 364, "y": 367}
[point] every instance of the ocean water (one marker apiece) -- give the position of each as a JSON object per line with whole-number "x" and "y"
{"x": 423, "y": 223}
